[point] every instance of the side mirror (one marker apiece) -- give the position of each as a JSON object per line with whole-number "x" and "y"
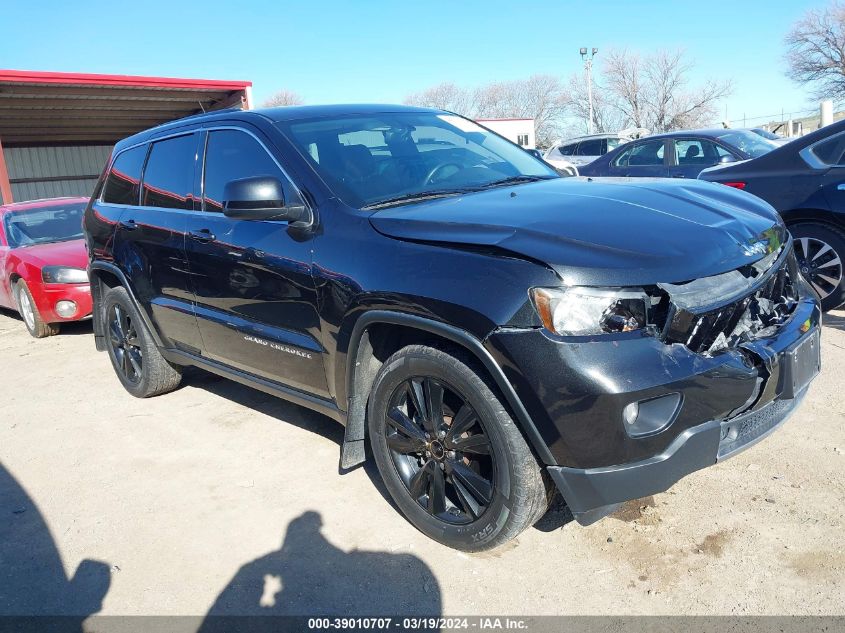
{"x": 724, "y": 160}
{"x": 260, "y": 198}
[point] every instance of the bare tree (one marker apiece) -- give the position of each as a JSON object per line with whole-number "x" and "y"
{"x": 283, "y": 98}
{"x": 816, "y": 51}
{"x": 607, "y": 116}
{"x": 540, "y": 97}
{"x": 446, "y": 96}
{"x": 651, "y": 91}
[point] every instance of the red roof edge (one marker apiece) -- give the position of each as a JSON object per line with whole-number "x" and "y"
{"x": 128, "y": 81}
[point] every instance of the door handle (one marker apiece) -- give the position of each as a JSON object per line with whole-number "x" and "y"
{"x": 128, "y": 225}
{"x": 203, "y": 235}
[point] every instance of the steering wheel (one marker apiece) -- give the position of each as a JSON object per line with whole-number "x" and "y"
{"x": 429, "y": 179}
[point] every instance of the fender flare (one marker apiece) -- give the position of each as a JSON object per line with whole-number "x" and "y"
{"x": 357, "y": 408}
{"x": 99, "y": 334}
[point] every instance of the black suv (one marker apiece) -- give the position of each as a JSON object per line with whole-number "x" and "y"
{"x": 492, "y": 331}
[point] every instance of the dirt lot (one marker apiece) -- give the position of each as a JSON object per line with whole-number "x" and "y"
{"x": 220, "y": 498}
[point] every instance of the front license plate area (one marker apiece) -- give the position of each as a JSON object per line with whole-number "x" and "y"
{"x": 801, "y": 363}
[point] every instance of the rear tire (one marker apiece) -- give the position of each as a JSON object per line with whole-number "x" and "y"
{"x": 30, "y": 315}
{"x": 472, "y": 483}
{"x": 136, "y": 360}
{"x": 820, "y": 250}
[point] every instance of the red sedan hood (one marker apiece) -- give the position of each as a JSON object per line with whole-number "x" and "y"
{"x": 71, "y": 253}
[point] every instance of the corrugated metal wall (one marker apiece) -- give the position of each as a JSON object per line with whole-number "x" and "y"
{"x": 49, "y": 172}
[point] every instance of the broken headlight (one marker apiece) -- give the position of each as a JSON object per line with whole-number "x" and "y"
{"x": 582, "y": 311}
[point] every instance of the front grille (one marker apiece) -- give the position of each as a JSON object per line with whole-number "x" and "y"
{"x": 747, "y": 428}
{"x": 730, "y": 324}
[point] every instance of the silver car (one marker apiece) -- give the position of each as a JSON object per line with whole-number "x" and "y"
{"x": 583, "y": 150}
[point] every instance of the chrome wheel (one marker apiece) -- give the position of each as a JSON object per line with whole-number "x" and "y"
{"x": 26, "y": 308}
{"x": 819, "y": 264}
{"x": 125, "y": 343}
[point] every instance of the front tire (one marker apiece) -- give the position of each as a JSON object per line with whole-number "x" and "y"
{"x": 30, "y": 315}
{"x": 139, "y": 366}
{"x": 820, "y": 250}
{"x": 449, "y": 453}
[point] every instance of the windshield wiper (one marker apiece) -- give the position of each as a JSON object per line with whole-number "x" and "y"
{"x": 514, "y": 180}
{"x": 414, "y": 197}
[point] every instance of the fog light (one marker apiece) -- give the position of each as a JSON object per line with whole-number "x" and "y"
{"x": 648, "y": 417}
{"x": 66, "y": 309}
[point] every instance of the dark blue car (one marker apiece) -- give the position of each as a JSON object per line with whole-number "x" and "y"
{"x": 679, "y": 154}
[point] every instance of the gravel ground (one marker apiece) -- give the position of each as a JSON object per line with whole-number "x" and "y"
{"x": 218, "y": 498}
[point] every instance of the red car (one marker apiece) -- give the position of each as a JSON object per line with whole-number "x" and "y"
{"x": 43, "y": 263}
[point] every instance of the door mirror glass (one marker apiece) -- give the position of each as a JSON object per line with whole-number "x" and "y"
{"x": 724, "y": 160}
{"x": 259, "y": 198}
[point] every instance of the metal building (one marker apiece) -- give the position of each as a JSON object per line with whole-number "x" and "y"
{"x": 57, "y": 129}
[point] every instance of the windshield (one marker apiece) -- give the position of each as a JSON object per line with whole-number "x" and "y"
{"x": 391, "y": 158}
{"x": 749, "y": 143}
{"x": 766, "y": 134}
{"x": 47, "y": 224}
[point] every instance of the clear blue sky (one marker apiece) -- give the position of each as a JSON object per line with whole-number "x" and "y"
{"x": 379, "y": 51}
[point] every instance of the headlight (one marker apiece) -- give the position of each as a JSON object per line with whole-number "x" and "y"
{"x": 63, "y": 275}
{"x": 581, "y": 311}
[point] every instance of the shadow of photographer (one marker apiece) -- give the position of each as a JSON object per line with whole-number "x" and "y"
{"x": 308, "y": 576}
{"x": 32, "y": 577}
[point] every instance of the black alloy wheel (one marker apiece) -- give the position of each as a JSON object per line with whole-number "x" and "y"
{"x": 138, "y": 363}
{"x": 450, "y": 455}
{"x": 125, "y": 343}
{"x": 440, "y": 449}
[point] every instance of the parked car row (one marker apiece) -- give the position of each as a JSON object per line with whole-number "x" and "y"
{"x": 679, "y": 154}
{"x": 493, "y": 332}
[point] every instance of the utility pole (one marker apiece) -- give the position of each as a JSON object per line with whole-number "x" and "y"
{"x": 588, "y": 68}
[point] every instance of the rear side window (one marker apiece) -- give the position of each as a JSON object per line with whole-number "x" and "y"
{"x": 124, "y": 177}
{"x": 231, "y": 155}
{"x": 169, "y": 175}
{"x": 649, "y": 153}
{"x": 593, "y": 147}
{"x": 832, "y": 151}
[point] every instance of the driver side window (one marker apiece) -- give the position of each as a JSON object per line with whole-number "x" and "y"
{"x": 233, "y": 154}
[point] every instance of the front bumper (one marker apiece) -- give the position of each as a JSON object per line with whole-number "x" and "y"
{"x": 729, "y": 401}
{"x": 596, "y": 492}
{"x": 46, "y": 296}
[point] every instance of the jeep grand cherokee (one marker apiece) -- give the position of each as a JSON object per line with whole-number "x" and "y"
{"x": 490, "y": 330}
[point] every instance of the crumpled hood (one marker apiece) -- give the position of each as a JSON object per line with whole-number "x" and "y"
{"x": 71, "y": 253}
{"x": 603, "y": 231}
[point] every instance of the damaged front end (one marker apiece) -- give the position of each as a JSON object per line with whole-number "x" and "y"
{"x": 740, "y": 351}
{"x": 712, "y": 314}
{"x": 744, "y": 310}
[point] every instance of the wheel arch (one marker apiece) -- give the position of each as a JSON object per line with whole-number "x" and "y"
{"x": 104, "y": 276}
{"x": 376, "y": 335}
{"x": 797, "y": 216}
